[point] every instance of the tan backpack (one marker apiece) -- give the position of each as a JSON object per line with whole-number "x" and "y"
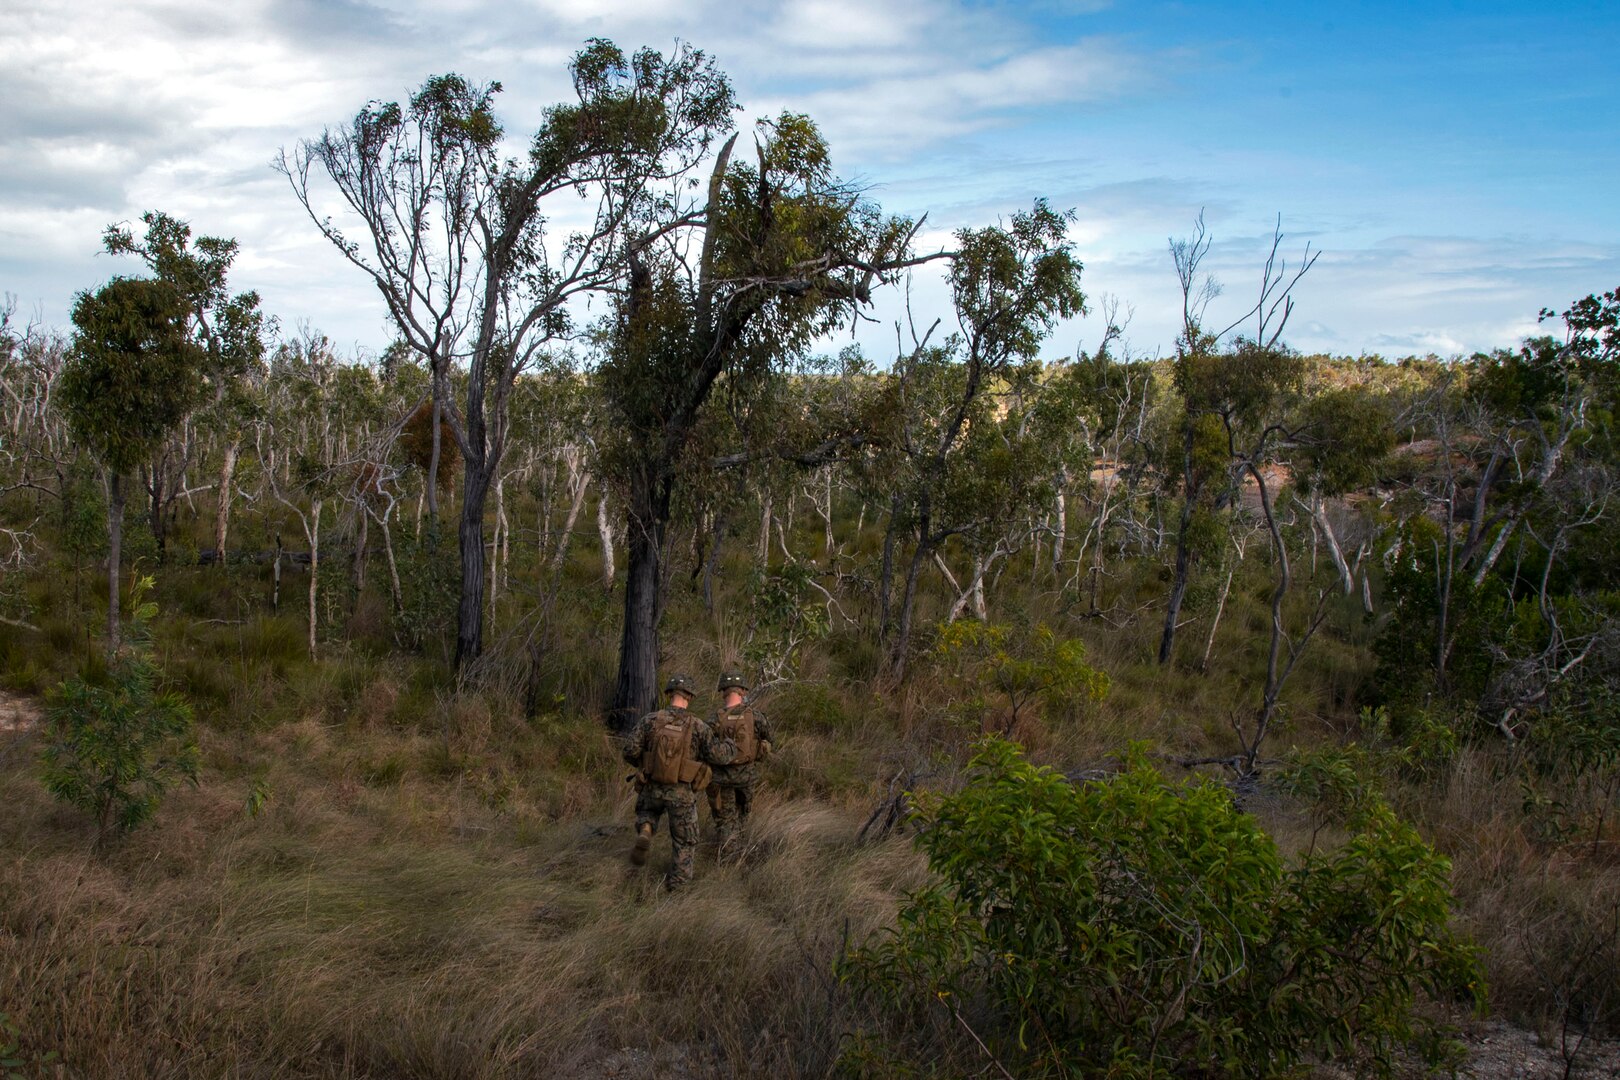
{"x": 738, "y": 728}
{"x": 669, "y": 757}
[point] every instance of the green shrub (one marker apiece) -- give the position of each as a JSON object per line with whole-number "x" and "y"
{"x": 112, "y": 748}
{"x": 1137, "y": 927}
{"x": 1022, "y": 665}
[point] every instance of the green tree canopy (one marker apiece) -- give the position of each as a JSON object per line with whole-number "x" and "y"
{"x": 133, "y": 372}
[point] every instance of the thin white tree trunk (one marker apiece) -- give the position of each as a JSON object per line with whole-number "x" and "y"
{"x": 765, "y": 533}
{"x": 314, "y": 570}
{"x": 1061, "y": 533}
{"x": 222, "y": 511}
{"x": 1324, "y": 527}
{"x": 1215, "y": 623}
{"x": 393, "y": 567}
{"x": 581, "y": 485}
{"x": 828, "y": 514}
{"x": 495, "y": 549}
{"x": 360, "y": 542}
{"x": 604, "y": 528}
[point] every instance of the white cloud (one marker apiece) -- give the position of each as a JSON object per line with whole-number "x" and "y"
{"x": 115, "y": 108}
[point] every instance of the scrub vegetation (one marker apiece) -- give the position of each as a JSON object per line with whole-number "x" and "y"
{"x": 1229, "y": 713}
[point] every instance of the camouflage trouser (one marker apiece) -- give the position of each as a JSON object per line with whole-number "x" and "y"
{"x": 679, "y": 801}
{"x": 730, "y": 804}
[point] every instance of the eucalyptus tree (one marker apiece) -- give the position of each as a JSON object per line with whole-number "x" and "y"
{"x": 1525, "y": 463}
{"x": 1538, "y": 407}
{"x": 1230, "y": 397}
{"x": 33, "y": 438}
{"x": 133, "y": 375}
{"x": 229, "y": 328}
{"x": 324, "y": 443}
{"x": 1010, "y": 286}
{"x": 1351, "y": 433}
{"x": 781, "y": 251}
{"x": 458, "y": 237}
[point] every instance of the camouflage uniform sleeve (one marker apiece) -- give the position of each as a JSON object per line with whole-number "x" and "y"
{"x": 762, "y": 729}
{"x": 712, "y": 748}
{"x": 635, "y": 744}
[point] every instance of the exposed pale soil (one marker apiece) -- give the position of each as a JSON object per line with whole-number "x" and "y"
{"x": 17, "y": 713}
{"x": 1501, "y": 1051}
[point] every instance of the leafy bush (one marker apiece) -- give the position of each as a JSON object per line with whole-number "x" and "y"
{"x": 429, "y": 579}
{"x": 1137, "y": 927}
{"x": 112, "y": 748}
{"x": 1023, "y": 664}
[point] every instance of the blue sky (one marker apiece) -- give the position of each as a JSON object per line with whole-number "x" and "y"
{"x": 1455, "y": 163}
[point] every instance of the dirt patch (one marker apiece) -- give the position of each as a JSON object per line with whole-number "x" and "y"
{"x": 17, "y": 713}
{"x": 1500, "y": 1051}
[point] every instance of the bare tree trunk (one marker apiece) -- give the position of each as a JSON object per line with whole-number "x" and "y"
{"x": 360, "y": 542}
{"x": 886, "y": 580}
{"x": 581, "y": 484}
{"x": 275, "y": 578}
{"x": 432, "y": 490}
{"x": 765, "y": 534}
{"x": 1274, "y": 676}
{"x": 908, "y": 599}
{"x": 115, "y": 552}
{"x": 829, "y": 515}
{"x": 495, "y": 549}
{"x": 470, "y": 533}
{"x": 314, "y": 570}
{"x": 711, "y": 565}
{"x": 1061, "y": 530}
{"x": 604, "y": 529}
{"x": 155, "y": 492}
{"x": 1495, "y": 552}
{"x": 1324, "y": 527}
{"x": 636, "y": 693}
{"x": 397, "y": 592}
{"x": 1035, "y": 530}
{"x": 1178, "y": 583}
{"x": 222, "y": 506}
{"x": 1178, "y": 586}
{"x": 1215, "y": 623}
{"x": 1447, "y": 571}
{"x": 974, "y": 593}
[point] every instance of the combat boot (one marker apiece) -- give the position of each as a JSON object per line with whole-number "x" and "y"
{"x": 644, "y": 835}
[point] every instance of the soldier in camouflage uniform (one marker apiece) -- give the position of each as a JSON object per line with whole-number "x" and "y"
{"x": 731, "y": 789}
{"x": 674, "y": 751}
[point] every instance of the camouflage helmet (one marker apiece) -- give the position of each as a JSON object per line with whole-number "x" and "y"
{"x": 679, "y": 681}
{"x": 732, "y": 680}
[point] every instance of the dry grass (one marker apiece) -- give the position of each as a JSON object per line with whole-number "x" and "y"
{"x": 410, "y": 928}
{"x": 437, "y": 885}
